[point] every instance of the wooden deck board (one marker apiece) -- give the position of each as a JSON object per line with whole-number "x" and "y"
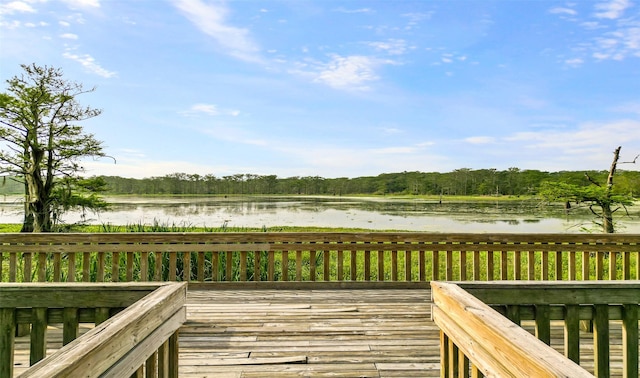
{"x": 341, "y": 333}
{"x": 314, "y": 333}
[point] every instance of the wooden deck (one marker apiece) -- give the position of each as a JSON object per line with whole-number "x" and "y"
{"x": 313, "y": 333}
{"x": 320, "y": 333}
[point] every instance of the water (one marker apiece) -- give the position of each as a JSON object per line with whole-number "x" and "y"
{"x": 367, "y": 213}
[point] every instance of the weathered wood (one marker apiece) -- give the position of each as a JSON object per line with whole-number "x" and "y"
{"x": 123, "y": 342}
{"x": 7, "y": 336}
{"x": 630, "y": 340}
{"x": 601, "y": 340}
{"x": 472, "y": 322}
{"x": 38, "y": 342}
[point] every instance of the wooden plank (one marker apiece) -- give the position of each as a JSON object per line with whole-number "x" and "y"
{"x": 107, "y": 343}
{"x": 601, "y": 340}
{"x": 7, "y": 337}
{"x": 512, "y": 347}
{"x": 572, "y": 333}
{"x": 38, "y": 342}
{"x": 630, "y": 340}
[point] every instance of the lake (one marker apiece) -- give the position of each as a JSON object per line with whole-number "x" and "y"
{"x": 350, "y": 212}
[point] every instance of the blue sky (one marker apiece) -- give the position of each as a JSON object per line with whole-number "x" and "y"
{"x": 342, "y": 88}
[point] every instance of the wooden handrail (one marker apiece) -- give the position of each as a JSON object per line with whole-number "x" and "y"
{"x": 308, "y": 256}
{"x": 494, "y": 345}
{"x": 464, "y": 310}
{"x": 118, "y": 346}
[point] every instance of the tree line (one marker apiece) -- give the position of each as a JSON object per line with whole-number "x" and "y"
{"x": 460, "y": 182}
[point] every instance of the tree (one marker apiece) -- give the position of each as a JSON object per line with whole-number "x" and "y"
{"x": 603, "y": 200}
{"x": 41, "y": 142}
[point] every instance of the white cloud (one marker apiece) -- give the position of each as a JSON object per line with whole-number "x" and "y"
{"x": 351, "y": 72}
{"x": 562, "y": 10}
{"x": 209, "y": 110}
{"x": 575, "y": 62}
{"x": 211, "y": 20}
{"x": 88, "y": 62}
{"x": 611, "y": 9}
{"x": 82, "y": 3}
{"x": 359, "y": 10}
{"x": 586, "y": 136}
{"x": 480, "y": 140}
{"x": 64, "y": 24}
{"x": 390, "y": 46}
{"x": 16, "y": 7}
{"x": 69, "y": 36}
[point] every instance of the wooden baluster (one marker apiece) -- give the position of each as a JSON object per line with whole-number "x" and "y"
{"x": 285, "y": 265}
{"x": 544, "y": 271}
{"x": 200, "y": 274}
{"x": 476, "y": 265}
{"x": 572, "y": 333}
{"x": 599, "y": 265}
{"x": 601, "y": 340}
{"x": 613, "y": 267}
{"x": 572, "y": 266}
{"x": 271, "y": 265}
{"x": 173, "y": 266}
{"x": 312, "y": 264}
{"x": 435, "y": 266}
{"x": 157, "y": 274}
{"x": 326, "y": 258}
{"x": 163, "y": 360}
{"x": 256, "y": 266}
{"x": 27, "y": 266}
{"x": 129, "y": 267}
{"x": 408, "y": 276}
{"x": 173, "y": 355}
{"x": 57, "y": 267}
{"x": 517, "y": 265}
{"x": 7, "y": 340}
{"x": 38, "y": 342}
{"x": 353, "y": 266}
{"x": 463, "y": 265}
{"x": 559, "y": 269}
{"x": 243, "y": 266}
{"x": 630, "y": 340}
{"x": 144, "y": 266}
{"x": 381, "y": 265}
{"x": 71, "y": 268}
{"x": 504, "y": 265}
{"x": 626, "y": 266}
{"x": 531, "y": 265}
{"x": 101, "y": 315}
{"x": 367, "y": 264}
{"x": 444, "y": 355}
{"x": 86, "y": 266}
{"x": 586, "y": 275}
{"x": 543, "y": 323}
{"x": 13, "y": 258}
{"x": 101, "y": 266}
{"x": 394, "y": 265}
{"x": 490, "y": 266}
{"x": 448, "y": 255}
{"x": 186, "y": 266}
{"x": 115, "y": 267}
{"x": 71, "y": 324}
{"x": 299, "y": 265}
{"x": 42, "y": 267}
{"x": 228, "y": 269}
{"x": 151, "y": 366}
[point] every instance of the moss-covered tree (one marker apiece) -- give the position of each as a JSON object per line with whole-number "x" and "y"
{"x": 42, "y": 142}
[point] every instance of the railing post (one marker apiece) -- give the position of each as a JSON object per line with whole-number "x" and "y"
{"x": 601, "y": 340}
{"x": 630, "y": 340}
{"x": 7, "y": 337}
{"x": 173, "y": 355}
{"x": 38, "y": 348}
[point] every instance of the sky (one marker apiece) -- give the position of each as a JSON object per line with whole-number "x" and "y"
{"x": 341, "y": 88}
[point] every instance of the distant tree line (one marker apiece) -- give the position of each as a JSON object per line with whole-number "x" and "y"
{"x": 469, "y": 182}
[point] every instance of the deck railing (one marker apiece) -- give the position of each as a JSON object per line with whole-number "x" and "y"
{"x": 377, "y": 256}
{"x": 481, "y": 333}
{"x": 135, "y": 333}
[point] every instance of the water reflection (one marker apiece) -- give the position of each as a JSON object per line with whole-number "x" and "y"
{"x": 369, "y": 213}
